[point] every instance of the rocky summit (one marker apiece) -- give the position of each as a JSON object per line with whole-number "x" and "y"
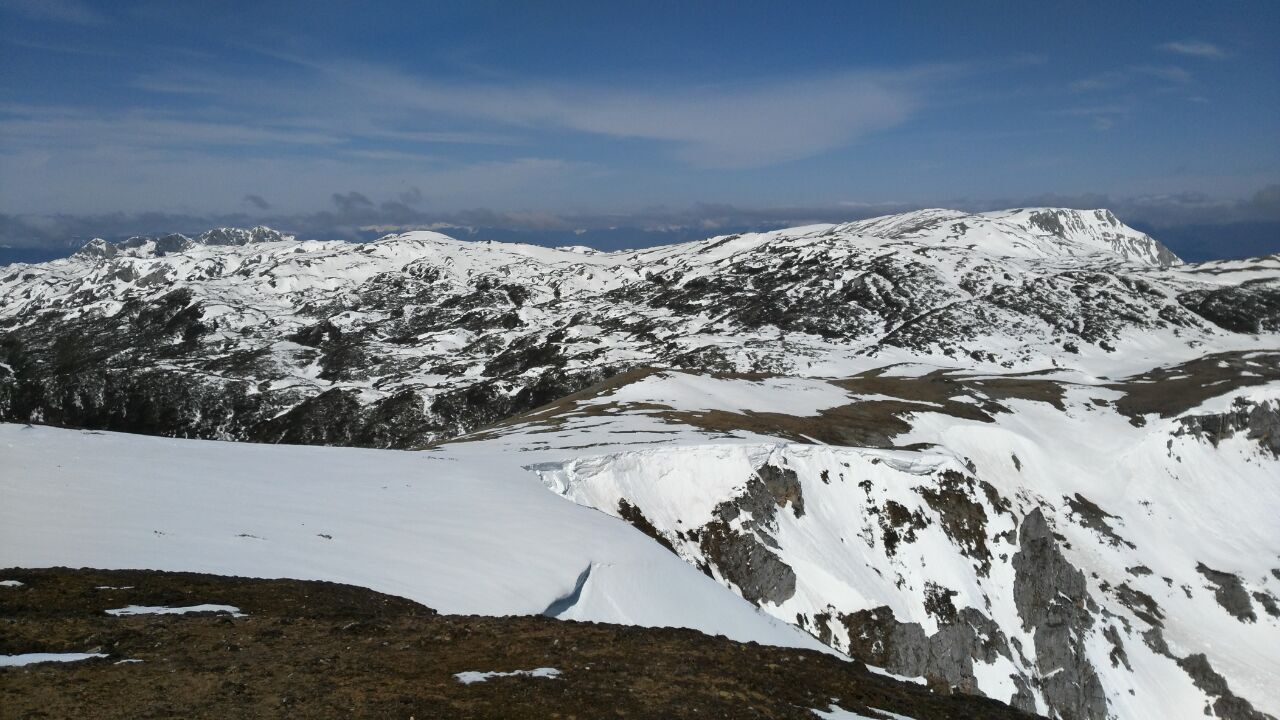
{"x": 1029, "y": 456}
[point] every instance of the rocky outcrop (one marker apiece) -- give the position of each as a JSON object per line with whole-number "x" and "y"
{"x": 1229, "y": 592}
{"x": 1251, "y": 307}
{"x": 1259, "y": 421}
{"x": 1053, "y": 601}
{"x": 738, "y": 544}
{"x": 945, "y": 658}
{"x": 1225, "y": 704}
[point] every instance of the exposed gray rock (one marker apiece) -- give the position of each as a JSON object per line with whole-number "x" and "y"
{"x": 632, "y": 514}
{"x": 945, "y": 659}
{"x": 1226, "y": 705}
{"x": 743, "y": 556}
{"x": 1118, "y": 655}
{"x": 1229, "y": 592}
{"x": 1053, "y": 601}
{"x": 1268, "y": 602}
{"x": 1260, "y": 421}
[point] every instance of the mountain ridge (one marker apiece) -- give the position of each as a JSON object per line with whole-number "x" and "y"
{"x": 448, "y": 335}
{"x": 1093, "y": 229}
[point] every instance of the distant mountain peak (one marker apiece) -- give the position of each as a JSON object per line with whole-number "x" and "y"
{"x": 145, "y": 246}
{"x": 1035, "y": 232}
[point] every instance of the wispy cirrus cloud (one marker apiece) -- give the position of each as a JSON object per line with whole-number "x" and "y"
{"x": 299, "y": 123}
{"x": 752, "y": 123}
{"x": 65, "y": 11}
{"x": 1103, "y": 117}
{"x": 1133, "y": 75}
{"x": 61, "y": 127}
{"x": 1195, "y": 48}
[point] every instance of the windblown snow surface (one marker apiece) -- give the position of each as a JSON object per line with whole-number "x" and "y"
{"x": 1085, "y": 533}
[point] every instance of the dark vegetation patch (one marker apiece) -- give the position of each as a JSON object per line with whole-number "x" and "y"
{"x": 322, "y": 650}
{"x": 1250, "y": 307}
{"x": 1095, "y": 518}
{"x": 632, "y": 514}
{"x": 1174, "y": 389}
{"x": 898, "y": 524}
{"x": 963, "y": 518}
{"x": 870, "y": 423}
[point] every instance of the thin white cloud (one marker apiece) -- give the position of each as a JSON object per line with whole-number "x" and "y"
{"x": 745, "y": 125}
{"x": 1195, "y": 48}
{"x": 66, "y": 11}
{"x": 61, "y": 128}
{"x": 1101, "y": 117}
{"x": 1164, "y": 74}
{"x": 749, "y": 124}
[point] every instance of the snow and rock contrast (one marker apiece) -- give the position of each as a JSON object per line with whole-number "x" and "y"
{"x": 1078, "y": 548}
{"x": 1028, "y": 454}
{"x": 251, "y": 335}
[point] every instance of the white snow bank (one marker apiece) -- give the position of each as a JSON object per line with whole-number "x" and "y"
{"x": 33, "y": 658}
{"x": 895, "y": 676}
{"x": 162, "y": 610}
{"x": 11, "y": 583}
{"x": 835, "y": 712}
{"x": 475, "y": 676}
{"x": 464, "y": 532}
{"x": 691, "y": 392}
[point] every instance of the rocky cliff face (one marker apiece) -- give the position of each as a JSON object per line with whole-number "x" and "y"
{"x": 1041, "y": 539}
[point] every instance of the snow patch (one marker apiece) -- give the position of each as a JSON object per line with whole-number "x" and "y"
{"x": 33, "y": 658}
{"x": 835, "y": 712}
{"x": 162, "y": 610}
{"x": 474, "y": 676}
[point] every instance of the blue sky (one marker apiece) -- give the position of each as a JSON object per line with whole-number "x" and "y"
{"x": 555, "y": 114}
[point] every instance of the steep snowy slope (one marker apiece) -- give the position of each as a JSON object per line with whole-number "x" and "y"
{"x": 462, "y": 534}
{"x": 417, "y": 337}
{"x": 1080, "y": 547}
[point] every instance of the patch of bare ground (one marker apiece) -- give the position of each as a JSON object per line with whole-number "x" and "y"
{"x": 323, "y": 650}
{"x": 1172, "y": 390}
{"x": 873, "y": 422}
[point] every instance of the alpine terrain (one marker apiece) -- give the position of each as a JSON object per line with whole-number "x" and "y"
{"x": 1029, "y": 456}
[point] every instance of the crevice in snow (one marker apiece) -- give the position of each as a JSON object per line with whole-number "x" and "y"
{"x": 563, "y": 604}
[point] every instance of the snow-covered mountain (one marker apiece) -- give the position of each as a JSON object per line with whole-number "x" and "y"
{"x": 417, "y": 337}
{"x": 1025, "y": 454}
